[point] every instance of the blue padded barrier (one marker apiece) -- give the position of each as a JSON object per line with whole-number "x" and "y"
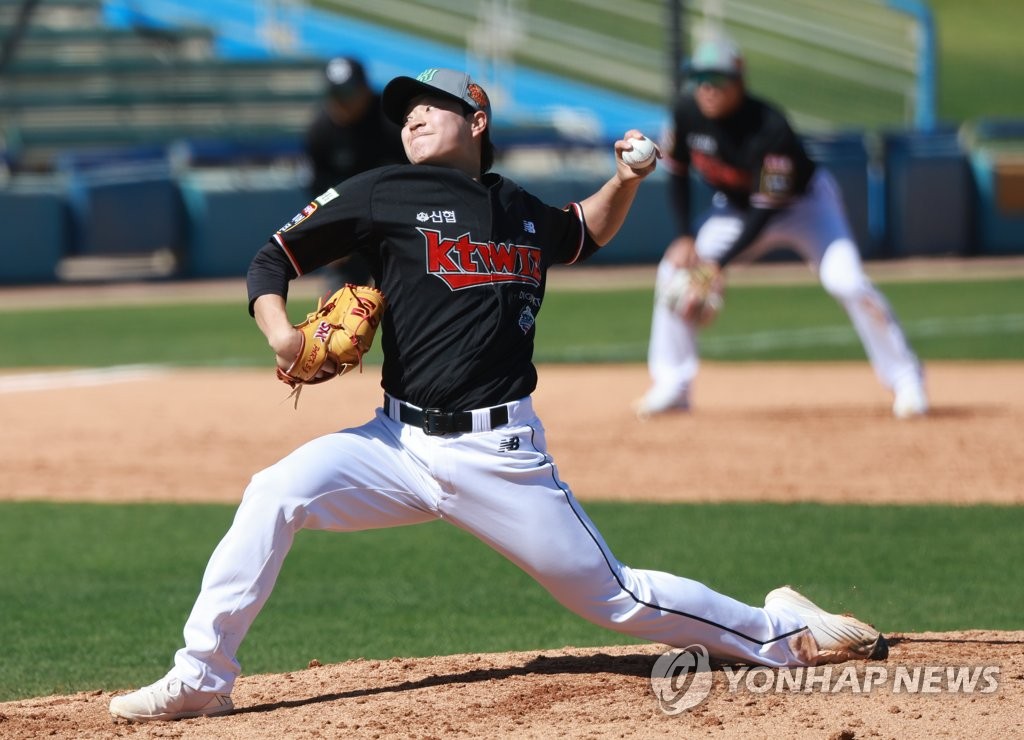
{"x": 36, "y": 233}
{"x": 126, "y": 208}
{"x": 930, "y": 195}
{"x": 996, "y": 151}
{"x": 232, "y": 216}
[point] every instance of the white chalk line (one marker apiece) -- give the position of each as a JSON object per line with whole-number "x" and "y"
{"x": 845, "y": 335}
{"x": 970, "y": 326}
{"x": 83, "y": 378}
{"x": 718, "y": 346}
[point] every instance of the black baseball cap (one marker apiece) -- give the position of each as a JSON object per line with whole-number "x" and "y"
{"x": 345, "y": 77}
{"x": 448, "y": 82}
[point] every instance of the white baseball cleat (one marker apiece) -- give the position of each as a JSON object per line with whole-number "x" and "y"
{"x": 659, "y": 402}
{"x": 837, "y": 637}
{"x": 910, "y": 402}
{"x": 169, "y": 699}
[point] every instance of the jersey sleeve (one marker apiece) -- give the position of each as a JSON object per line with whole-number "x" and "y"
{"x": 572, "y": 241}
{"x": 269, "y": 273}
{"x": 332, "y": 226}
{"x": 562, "y": 232}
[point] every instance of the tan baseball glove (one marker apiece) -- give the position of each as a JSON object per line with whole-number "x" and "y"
{"x": 697, "y": 293}
{"x": 341, "y": 330}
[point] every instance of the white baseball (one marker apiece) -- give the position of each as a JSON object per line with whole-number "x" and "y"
{"x": 641, "y": 155}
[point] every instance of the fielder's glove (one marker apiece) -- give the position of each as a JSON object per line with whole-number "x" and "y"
{"x": 696, "y": 294}
{"x": 341, "y": 329}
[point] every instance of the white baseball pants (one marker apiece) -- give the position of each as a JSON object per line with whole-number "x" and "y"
{"x": 817, "y": 229}
{"x": 388, "y": 474}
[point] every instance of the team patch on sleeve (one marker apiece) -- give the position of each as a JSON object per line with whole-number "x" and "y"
{"x": 327, "y": 196}
{"x": 299, "y": 217}
{"x": 776, "y": 185}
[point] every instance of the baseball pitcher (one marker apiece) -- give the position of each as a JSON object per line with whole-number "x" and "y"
{"x": 460, "y": 257}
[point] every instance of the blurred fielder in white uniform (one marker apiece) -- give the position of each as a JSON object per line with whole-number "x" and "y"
{"x": 769, "y": 194}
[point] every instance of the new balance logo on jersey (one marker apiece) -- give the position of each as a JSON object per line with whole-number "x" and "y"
{"x": 509, "y": 444}
{"x": 464, "y": 263}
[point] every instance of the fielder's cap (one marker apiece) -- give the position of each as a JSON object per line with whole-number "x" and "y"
{"x": 717, "y": 56}
{"x": 345, "y": 77}
{"x": 449, "y": 82}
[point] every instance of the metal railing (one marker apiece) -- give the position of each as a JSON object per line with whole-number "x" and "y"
{"x": 862, "y": 62}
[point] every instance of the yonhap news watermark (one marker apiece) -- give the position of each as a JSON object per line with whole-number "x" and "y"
{"x": 682, "y": 679}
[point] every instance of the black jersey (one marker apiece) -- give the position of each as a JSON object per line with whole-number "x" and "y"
{"x": 753, "y": 157}
{"x": 462, "y": 264}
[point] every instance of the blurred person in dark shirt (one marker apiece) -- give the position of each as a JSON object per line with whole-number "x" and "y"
{"x": 349, "y": 135}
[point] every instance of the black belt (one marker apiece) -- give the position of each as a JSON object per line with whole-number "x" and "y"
{"x": 436, "y": 421}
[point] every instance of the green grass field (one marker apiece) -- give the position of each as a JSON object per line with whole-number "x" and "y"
{"x": 95, "y": 596}
{"x": 944, "y": 320}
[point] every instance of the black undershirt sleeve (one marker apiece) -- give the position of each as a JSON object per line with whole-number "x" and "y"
{"x": 679, "y": 201}
{"x": 269, "y": 272}
{"x": 754, "y": 222}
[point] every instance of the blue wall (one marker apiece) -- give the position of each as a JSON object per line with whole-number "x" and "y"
{"x": 36, "y": 232}
{"x": 925, "y": 202}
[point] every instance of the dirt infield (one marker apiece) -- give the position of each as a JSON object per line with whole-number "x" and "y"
{"x": 768, "y": 432}
{"x": 774, "y": 432}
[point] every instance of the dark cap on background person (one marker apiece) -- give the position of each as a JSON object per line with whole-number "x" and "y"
{"x": 717, "y": 56}
{"x": 345, "y": 77}
{"x": 449, "y": 82}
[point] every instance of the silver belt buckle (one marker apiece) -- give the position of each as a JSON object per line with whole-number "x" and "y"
{"x": 436, "y": 422}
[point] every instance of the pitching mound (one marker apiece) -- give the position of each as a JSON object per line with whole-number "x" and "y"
{"x": 589, "y": 693}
